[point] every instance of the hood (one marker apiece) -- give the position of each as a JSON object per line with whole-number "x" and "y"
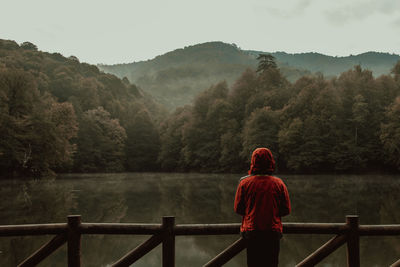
{"x": 262, "y": 161}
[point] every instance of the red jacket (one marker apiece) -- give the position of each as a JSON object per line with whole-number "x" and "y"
{"x": 260, "y": 198}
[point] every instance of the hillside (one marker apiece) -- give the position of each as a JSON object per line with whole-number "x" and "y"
{"x": 68, "y": 80}
{"x": 59, "y": 114}
{"x": 176, "y": 77}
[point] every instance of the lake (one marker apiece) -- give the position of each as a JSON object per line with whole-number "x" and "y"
{"x": 194, "y": 198}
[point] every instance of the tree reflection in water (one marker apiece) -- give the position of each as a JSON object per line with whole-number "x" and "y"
{"x": 193, "y": 198}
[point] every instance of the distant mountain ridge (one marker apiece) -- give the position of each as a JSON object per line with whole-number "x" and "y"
{"x": 203, "y": 54}
{"x": 177, "y": 76}
{"x": 379, "y": 63}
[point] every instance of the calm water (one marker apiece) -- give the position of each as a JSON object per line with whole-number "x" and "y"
{"x": 193, "y": 198}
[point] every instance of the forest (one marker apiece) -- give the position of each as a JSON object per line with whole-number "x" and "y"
{"x": 60, "y": 115}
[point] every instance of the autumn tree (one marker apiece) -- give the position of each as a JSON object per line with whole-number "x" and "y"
{"x": 36, "y": 130}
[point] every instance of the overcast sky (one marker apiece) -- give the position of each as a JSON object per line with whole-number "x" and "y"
{"x": 122, "y": 31}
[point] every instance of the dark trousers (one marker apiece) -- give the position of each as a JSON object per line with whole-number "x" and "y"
{"x": 262, "y": 248}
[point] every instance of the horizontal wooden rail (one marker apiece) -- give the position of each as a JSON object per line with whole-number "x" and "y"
{"x": 190, "y": 229}
{"x": 234, "y": 228}
{"x": 315, "y": 228}
{"x": 207, "y": 229}
{"x": 33, "y": 229}
{"x": 166, "y": 232}
{"x": 120, "y": 228}
{"x": 376, "y": 230}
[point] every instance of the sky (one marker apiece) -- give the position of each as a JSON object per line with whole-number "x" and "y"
{"x": 124, "y": 31}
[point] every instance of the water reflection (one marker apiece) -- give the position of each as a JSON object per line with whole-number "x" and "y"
{"x": 193, "y": 198}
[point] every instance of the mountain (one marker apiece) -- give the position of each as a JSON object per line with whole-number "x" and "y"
{"x": 68, "y": 80}
{"x": 176, "y": 77}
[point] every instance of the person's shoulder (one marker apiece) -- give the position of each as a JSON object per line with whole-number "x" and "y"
{"x": 278, "y": 180}
{"x": 244, "y": 178}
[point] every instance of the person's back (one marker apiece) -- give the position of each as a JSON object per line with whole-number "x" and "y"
{"x": 262, "y": 200}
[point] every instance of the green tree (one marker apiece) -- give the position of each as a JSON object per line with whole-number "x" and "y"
{"x": 359, "y": 118}
{"x": 261, "y": 130}
{"x": 241, "y": 91}
{"x": 202, "y": 133}
{"x": 231, "y": 159}
{"x": 101, "y": 143}
{"x": 362, "y": 116}
{"x": 272, "y": 89}
{"x": 325, "y": 128}
{"x": 396, "y": 70}
{"x": 29, "y": 46}
{"x": 310, "y": 124}
{"x": 142, "y": 144}
{"x": 266, "y": 62}
{"x": 289, "y": 138}
{"x": 390, "y": 135}
{"x": 170, "y": 156}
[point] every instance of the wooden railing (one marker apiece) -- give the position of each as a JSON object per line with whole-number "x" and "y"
{"x": 165, "y": 233}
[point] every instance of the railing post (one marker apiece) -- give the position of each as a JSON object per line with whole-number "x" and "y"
{"x": 168, "y": 245}
{"x": 353, "y": 241}
{"x": 74, "y": 241}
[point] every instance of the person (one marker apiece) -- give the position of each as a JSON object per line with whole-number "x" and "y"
{"x": 262, "y": 200}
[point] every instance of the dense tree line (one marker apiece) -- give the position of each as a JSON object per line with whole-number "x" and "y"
{"x": 346, "y": 124}
{"x": 60, "y": 115}
{"x": 57, "y": 114}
